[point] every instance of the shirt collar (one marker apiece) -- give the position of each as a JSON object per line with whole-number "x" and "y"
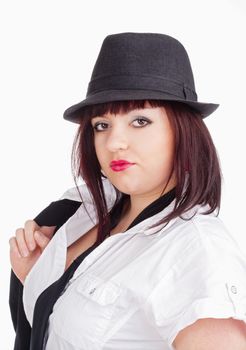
{"x": 85, "y": 216}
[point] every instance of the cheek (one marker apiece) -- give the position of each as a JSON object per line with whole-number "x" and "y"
{"x": 97, "y": 150}
{"x": 100, "y": 151}
{"x": 158, "y": 151}
{"x": 160, "y": 163}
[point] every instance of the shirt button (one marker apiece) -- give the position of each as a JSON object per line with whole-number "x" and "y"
{"x": 233, "y": 289}
{"x": 92, "y": 290}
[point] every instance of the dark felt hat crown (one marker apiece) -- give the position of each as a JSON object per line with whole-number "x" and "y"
{"x": 136, "y": 66}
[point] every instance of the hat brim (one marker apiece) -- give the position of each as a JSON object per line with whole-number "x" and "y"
{"x": 74, "y": 112}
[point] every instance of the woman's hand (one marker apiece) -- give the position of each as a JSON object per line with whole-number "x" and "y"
{"x": 27, "y": 246}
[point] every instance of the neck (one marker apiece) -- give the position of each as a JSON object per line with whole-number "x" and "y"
{"x": 137, "y": 203}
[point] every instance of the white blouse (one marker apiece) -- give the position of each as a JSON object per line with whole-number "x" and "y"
{"x": 139, "y": 288}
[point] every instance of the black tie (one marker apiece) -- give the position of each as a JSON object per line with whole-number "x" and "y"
{"x": 47, "y": 299}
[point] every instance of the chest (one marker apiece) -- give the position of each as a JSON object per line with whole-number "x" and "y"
{"x": 81, "y": 245}
{"x": 108, "y": 290}
{"x": 88, "y": 239}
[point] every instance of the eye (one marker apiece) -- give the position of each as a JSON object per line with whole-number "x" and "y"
{"x": 141, "y": 122}
{"x": 95, "y": 127}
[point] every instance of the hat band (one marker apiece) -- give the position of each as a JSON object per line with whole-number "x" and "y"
{"x": 140, "y": 82}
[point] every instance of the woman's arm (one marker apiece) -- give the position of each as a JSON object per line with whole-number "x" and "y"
{"x": 55, "y": 214}
{"x": 211, "y": 334}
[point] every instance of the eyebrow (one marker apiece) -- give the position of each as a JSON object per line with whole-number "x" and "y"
{"x": 100, "y": 116}
{"x": 106, "y": 116}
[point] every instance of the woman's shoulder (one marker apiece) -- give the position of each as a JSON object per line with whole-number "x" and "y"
{"x": 204, "y": 236}
{"x": 204, "y": 224}
{"x": 210, "y": 227}
{"x": 206, "y": 280}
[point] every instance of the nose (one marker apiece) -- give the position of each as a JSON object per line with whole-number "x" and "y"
{"x": 117, "y": 139}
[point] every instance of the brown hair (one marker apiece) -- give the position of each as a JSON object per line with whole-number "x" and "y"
{"x": 195, "y": 153}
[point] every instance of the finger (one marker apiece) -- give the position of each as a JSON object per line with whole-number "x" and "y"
{"x": 30, "y": 226}
{"x": 13, "y": 247}
{"x": 48, "y": 231}
{"x": 20, "y": 239}
{"x": 41, "y": 239}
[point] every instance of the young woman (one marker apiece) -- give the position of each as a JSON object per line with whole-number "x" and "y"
{"x": 142, "y": 261}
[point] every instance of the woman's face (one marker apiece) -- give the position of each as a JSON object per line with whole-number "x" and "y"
{"x": 143, "y": 137}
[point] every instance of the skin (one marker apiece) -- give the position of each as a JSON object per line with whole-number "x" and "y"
{"x": 150, "y": 145}
{"x": 212, "y": 334}
{"x": 27, "y": 245}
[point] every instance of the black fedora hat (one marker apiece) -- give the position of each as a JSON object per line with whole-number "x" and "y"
{"x": 136, "y": 66}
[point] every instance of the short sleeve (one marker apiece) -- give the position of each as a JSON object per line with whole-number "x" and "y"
{"x": 207, "y": 281}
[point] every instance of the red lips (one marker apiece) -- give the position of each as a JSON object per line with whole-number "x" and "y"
{"x": 119, "y": 165}
{"x": 119, "y": 162}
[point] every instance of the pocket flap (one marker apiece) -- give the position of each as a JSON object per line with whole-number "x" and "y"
{"x": 98, "y": 290}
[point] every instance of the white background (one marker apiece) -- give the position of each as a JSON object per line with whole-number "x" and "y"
{"x": 48, "y": 49}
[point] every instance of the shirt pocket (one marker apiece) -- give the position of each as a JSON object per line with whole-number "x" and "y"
{"x": 82, "y": 315}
